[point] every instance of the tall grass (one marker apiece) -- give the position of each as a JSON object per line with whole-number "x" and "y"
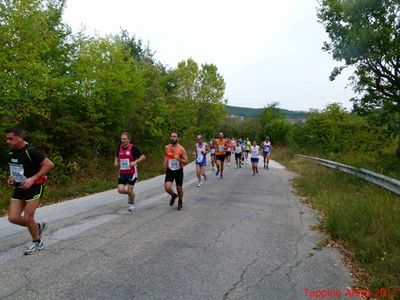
{"x": 90, "y": 176}
{"x": 364, "y": 216}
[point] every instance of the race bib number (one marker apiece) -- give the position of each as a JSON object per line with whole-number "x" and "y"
{"x": 221, "y": 147}
{"x": 124, "y": 164}
{"x": 212, "y": 151}
{"x": 200, "y": 158}
{"x": 17, "y": 172}
{"x": 173, "y": 164}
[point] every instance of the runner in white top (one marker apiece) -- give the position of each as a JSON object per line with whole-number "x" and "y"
{"x": 212, "y": 153}
{"x": 238, "y": 155}
{"x": 201, "y": 150}
{"x": 228, "y": 151}
{"x": 267, "y": 147}
{"x": 254, "y": 152}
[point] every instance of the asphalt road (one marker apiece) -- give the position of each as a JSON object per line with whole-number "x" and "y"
{"x": 240, "y": 237}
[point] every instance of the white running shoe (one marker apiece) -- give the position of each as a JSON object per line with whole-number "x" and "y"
{"x": 33, "y": 247}
{"x": 131, "y": 207}
{"x": 200, "y": 184}
{"x": 229, "y": 164}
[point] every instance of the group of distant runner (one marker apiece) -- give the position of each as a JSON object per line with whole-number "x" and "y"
{"x": 29, "y": 168}
{"x": 241, "y": 149}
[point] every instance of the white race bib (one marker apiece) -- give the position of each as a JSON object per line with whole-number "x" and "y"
{"x": 221, "y": 147}
{"x": 173, "y": 164}
{"x": 17, "y": 172}
{"x": 124, "y": 164}
{"x": 200, "y": 155}
{"x": 254, "y": 151}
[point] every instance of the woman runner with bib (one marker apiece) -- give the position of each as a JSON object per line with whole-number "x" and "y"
{"x": 254, "y": 151}
{"x": 267, "y": 147}
{"x": 212, "y": 154}
{"x": 201, "y": 150}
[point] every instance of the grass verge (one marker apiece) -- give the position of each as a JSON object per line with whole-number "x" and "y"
{"x": 362, "y": 216}
{"x": 95, "y": 176}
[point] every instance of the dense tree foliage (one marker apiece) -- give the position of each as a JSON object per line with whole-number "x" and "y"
{"x": 270, "y": 122}
{"x": 337, "y": 134}
{"x": 74, "y": 94}
{"x": 365, "y": 34}
{"x": 274, "y": 125}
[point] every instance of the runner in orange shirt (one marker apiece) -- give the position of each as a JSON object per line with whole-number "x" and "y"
{"x": 220, "y": 154}
{"x": 175, "y": 158}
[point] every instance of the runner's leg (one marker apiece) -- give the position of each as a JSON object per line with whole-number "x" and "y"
{"x": 122, "y": 189}
{"x": 198, "y": 172}
{"x": 131, "y": 194}
{"x": 15, "y": 212}
{"x": 29, "y": 218}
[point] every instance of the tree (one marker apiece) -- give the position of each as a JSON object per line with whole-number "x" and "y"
{"x": 34, "y": 65}
{"x": 210, "y": 98}
{"x": 274, "y": 125}
{"x": 199, "y": 96}
{"x": 108, "y": 90}
{"x": 365, "y": 34}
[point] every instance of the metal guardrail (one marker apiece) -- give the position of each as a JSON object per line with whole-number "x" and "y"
{"x": 386, "y": 182}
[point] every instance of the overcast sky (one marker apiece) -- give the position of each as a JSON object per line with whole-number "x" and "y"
{"x": 266, "y": 50}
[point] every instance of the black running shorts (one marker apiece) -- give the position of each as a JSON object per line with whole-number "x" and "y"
{"x": 33, "y": 193}
{"x": 127, "y": 179}
{"x": 220, "y": 157}
{"x": 177, "y": 175}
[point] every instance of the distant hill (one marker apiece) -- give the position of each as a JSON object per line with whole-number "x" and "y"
{"x": 247, "y": 112}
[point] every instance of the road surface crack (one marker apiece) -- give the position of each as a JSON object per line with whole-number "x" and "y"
{"x": 220, "y": 233}
{"x": 237, "y": 283}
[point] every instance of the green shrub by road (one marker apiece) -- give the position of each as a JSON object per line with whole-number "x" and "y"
{"x": 364, "y": 216}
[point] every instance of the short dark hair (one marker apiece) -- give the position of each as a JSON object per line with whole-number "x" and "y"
{"x": 16, "y": 131}
{"x": 175, "y": 131}
{"x": 127, "y": 134}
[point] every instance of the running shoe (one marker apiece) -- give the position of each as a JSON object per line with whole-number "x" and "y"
{"x": 229, "y": 164}
{"x": 222, "y": 176}
{"x": 199, "y": 185}
{"x": 205, "y": 177}
{"x": 33, "y": 247}
{"x": 131, "y": 207}
{"x": 172, "y": 201}
{"x": 216, "y": 174}
{"x": 180, "y": 205}
{"x": 42, "y": 227}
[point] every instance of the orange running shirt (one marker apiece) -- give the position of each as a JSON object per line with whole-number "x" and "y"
{"x": 221, "y": 147}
